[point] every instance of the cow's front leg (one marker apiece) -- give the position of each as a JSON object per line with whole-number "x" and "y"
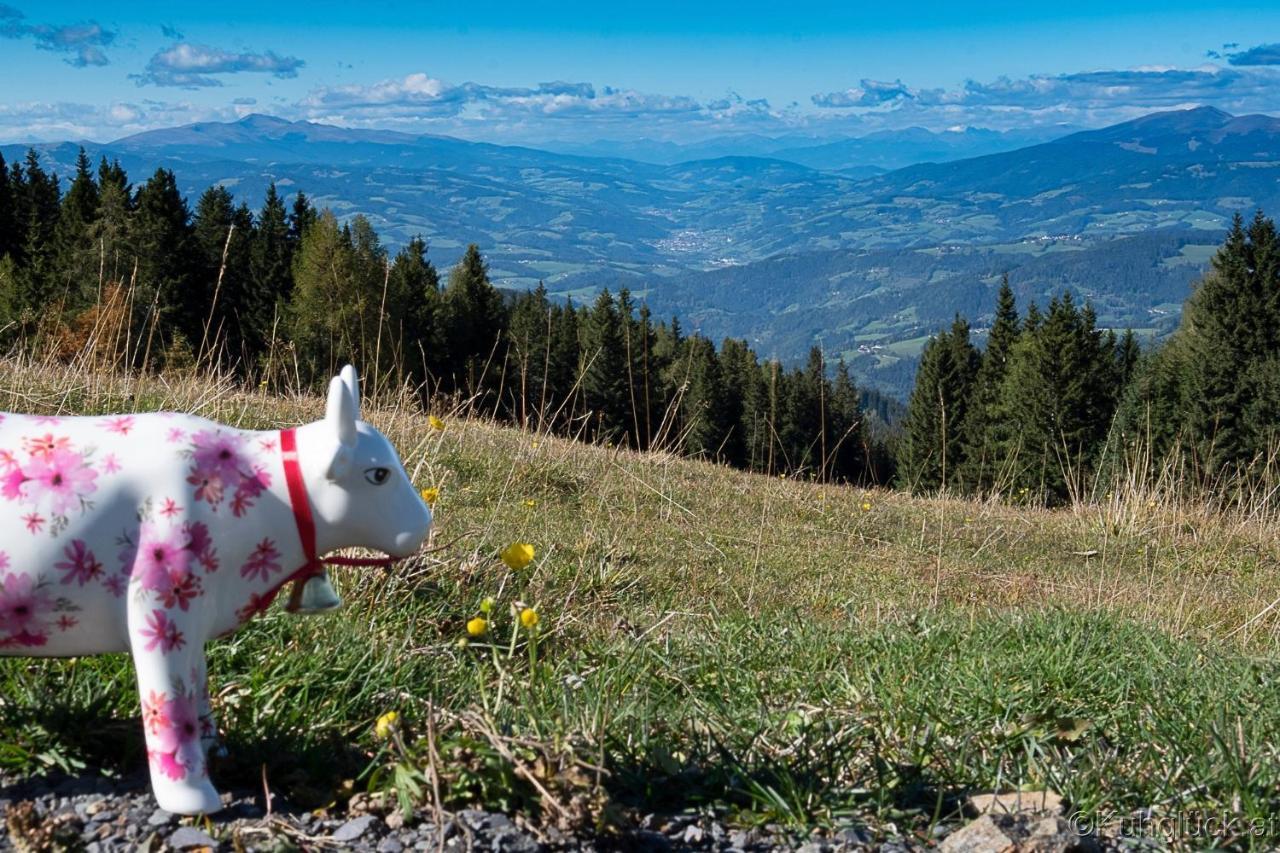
{"x": 166, "y": 661}
{"x": 208, "y": 722}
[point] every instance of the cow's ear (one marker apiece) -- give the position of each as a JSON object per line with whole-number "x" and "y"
{"x": 352, "y": 380}
{"x": 340, "y": 414}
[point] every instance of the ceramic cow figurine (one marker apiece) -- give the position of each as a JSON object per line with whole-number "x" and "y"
{"x": 153, "y": 533}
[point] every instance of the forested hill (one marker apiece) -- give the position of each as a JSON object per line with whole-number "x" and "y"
{"x": 582, "y": 223}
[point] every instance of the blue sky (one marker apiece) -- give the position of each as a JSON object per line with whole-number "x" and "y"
{"x": 527, "y": 72}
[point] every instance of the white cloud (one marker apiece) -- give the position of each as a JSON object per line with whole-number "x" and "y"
{"x": 190, "y": 66}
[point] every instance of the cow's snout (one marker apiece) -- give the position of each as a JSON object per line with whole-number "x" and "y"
{"x": 408, "y": 543}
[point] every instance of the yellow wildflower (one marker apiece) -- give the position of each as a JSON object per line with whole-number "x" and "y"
{"x": 517, "y": 555}
{"x": 430, "y": 495}
{"x": 385, "y": 724}
{"x": 477, "y": 626}
{"x": 530, "y": 503}
{"x": 435, "y": 423}
{"x": 529, "y": 618}
{"x": 866, "y": 506}
{"x": 486, "y": 606}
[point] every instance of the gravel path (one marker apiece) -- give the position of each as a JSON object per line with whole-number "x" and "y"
{"x": 94, "y": 814}
{"x": 97, "y": 814}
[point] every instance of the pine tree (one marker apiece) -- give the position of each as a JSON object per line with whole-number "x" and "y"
{"x": 848, "y": 429}
{"x": 301, "y": 218}
{"x": 322, "y": 329}
{"x": 111, "y": 231}
{"x": 473, "y": 321}
{"x": 8, "y": 213}
{"x": 1230, "y": 329}
{"x": 703, "y": 409}
{"x": 78, "y": 260}
{"x": 270, "y": 265}
{"x": 1060, "y": 390}
{"x": 414, "y": 298}
{"x": 989, "y": 437}
{"x": 805, "y": 418}
{"x": 604, "y": 377}
{"x": 37, "y": 291}
{"x": 529, "y": 335}
{"x": 931, "y": 442}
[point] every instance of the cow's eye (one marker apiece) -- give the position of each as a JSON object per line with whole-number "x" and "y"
{"x": 377, "y": 476}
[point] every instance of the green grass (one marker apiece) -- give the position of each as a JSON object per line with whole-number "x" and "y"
{"x": 776, "y": 651}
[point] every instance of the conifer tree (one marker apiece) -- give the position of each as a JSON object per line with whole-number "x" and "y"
{"x": 931, "y": 441}
{"x": 78, "y": 260}
{"x": 414, "y": 298}
{"x": 36, "y": 291}
{"x": 848, "y": 429}
{"x": 703, "y": 410}
{"x": 474, "y": 319}
{"x": 322, "y": 329}
{"x": 8, "y": 213}
{"x": 988, "y": 436}
{"x": 604, "y": 377}
{"x": 270, "y": 265}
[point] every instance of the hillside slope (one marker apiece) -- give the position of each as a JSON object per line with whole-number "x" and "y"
{"x": 772, "y": 651}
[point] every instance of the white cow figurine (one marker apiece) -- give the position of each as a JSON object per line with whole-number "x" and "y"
{"x": 153, "y": 533}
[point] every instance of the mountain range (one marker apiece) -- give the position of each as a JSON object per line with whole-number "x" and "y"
{"x": 822, "y": 242}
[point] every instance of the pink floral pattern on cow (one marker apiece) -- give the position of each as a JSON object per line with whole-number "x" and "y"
{"x": 29, "y": 610}
{"x": 172, "y": 727}
{"x": 220, "y": 466}
{"x": 49, "y": 476}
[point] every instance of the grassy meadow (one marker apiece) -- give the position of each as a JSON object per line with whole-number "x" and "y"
{"x": 776, "y": 651}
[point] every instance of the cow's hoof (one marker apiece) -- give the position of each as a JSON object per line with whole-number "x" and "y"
{"x": 198, "y": 798}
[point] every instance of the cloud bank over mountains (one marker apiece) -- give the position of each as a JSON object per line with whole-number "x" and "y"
{"x": 1238, "y": 79}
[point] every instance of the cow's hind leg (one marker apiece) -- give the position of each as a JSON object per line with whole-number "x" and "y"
{"x": 166, "y": 666}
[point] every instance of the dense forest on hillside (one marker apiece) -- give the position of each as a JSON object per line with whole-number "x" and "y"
{"x": 131, "y": 276}
{"x": 1054, "y": 400}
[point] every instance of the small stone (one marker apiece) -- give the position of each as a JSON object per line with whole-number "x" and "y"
{"x": 692, "y": 834}
{"x": 159, "y": 817}
{"x": 394, "y": 820}
{"x": 739, "y": 839}
{"x": 853, "y": 836}
{"x": 980, "y": 836}
{"x": 186, "y": 837}
{"x": 473, "y": 818}
{"x": 514, "y": 841}
{"x": 647, "y": 839}
{"x": 353, "y": 829}
{"x": 1015, "y": 802}
{"x": 390, "y": 845}
{"x": 377, "y": 802}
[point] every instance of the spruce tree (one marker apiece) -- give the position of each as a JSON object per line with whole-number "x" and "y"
{"x": 8, "y": 213}
{"x": 606, "y": 391}
{"x": 931, "y": 443}
{"x": 473, "y": 321}
{"x": 414, "y": 298}
{"x": 848, "y": 429}
{"x": 322, "y": 328}
{"x": 78, "y": 259}
{"x": 988, "y": 435}
{"x": 270, "y": 264}
{"x": 703, "y": 409}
